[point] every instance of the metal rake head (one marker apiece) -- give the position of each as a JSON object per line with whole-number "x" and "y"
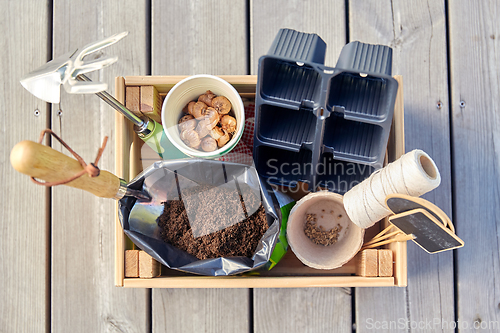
{"x": 45, "y": 82}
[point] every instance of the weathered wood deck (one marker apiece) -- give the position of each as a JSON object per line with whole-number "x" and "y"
{"x": 57, "y": 244}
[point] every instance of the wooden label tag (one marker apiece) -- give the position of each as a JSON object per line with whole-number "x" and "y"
{"x": 433, "y": 230}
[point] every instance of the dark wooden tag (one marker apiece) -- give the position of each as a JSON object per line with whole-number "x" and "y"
{"x": 429, "y": 233}
{"x": 433, "y": 230}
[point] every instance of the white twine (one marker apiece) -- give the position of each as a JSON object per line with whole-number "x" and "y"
{"x": 414, "y": 173}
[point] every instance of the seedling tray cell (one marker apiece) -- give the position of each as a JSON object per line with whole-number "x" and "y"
{"x": 289, "y": 82}
{"x": 340, "y": 176}
{"x": 353, "y": 140}
{"x": 358, "y": 96}
{"x": 286, "y": 127}
{"x": 282, "y": 166}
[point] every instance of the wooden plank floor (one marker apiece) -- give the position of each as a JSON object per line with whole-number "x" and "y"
{"x": 417, "y": 33}
{"x": 58, "y": 257}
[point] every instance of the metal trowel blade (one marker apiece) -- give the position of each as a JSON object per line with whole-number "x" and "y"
{"x": 45, "y": 82}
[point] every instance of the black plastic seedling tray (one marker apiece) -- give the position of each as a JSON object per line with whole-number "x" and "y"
{"x": 311, "y": 118}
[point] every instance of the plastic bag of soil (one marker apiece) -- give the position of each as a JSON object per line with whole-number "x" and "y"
{"x": 206, "y": 217}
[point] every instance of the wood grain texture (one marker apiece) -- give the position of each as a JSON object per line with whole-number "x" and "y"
{"x": 311, "y": 310}
{"x": 200, "y": 37}
{"x": 24, "y": 225}
{"x": 148, "y": 267}
{"x": 475, "y": 90}
{"x": 367, "y": 263}
{"x": 123, "y": 139}
{"x": 84, "y": 297}
{"x": 308, "y": 309}
{"x": 133, "y": 100}
{"x": 132, "y": 263}
{"x": 150, "y": 104}
{"x": 200, "y": 310}
{"x": 385, "y": 262}
{"x": 325, "y": 18}
{"x": 416, "y": 32}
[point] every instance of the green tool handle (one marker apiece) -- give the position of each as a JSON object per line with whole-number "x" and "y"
{"x": 148, "y": 130}
{"x": 158, "y": 141}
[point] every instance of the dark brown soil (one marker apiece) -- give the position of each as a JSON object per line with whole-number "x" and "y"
{"x": 235, "y": 234}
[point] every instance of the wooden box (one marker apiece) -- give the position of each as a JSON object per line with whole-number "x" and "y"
{"x": 289, "y": 272}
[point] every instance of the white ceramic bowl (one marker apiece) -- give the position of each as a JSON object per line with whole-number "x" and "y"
{"x": 329, "y": 210}
{"x": 188, "y": 90}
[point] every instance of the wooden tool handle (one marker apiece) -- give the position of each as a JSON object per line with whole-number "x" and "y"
{"x": 43, "y": 162}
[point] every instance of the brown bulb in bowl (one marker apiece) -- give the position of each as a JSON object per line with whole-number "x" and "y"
{"x": 221, "y": 141}
{"x": 211, "y": 117}
{"x": 189, "y": 107}
{"x": 207, "y": 98}
{"x": 203, "y": 128}
{"x": 208, "y": 144}
{"x": 191, "y": 138}
{"x": 228, "y": 123}
{"x": 199, "y": 109}
{"x": 221, "y": 104}
{"x": 216, "y": 132}
{"x": 187, "y": 122}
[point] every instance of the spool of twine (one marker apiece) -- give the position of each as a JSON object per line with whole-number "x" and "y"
{"x": 414, "y": 173}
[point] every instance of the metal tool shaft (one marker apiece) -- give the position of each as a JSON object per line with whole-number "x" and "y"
{"x": 111, "y": 101}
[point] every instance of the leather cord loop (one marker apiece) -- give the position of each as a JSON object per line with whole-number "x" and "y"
{"x": 91, "y": 169}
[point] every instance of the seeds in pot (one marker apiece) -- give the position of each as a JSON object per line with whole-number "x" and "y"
{"x": 318, "y": 234}
{"x": 208, "y": 144}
